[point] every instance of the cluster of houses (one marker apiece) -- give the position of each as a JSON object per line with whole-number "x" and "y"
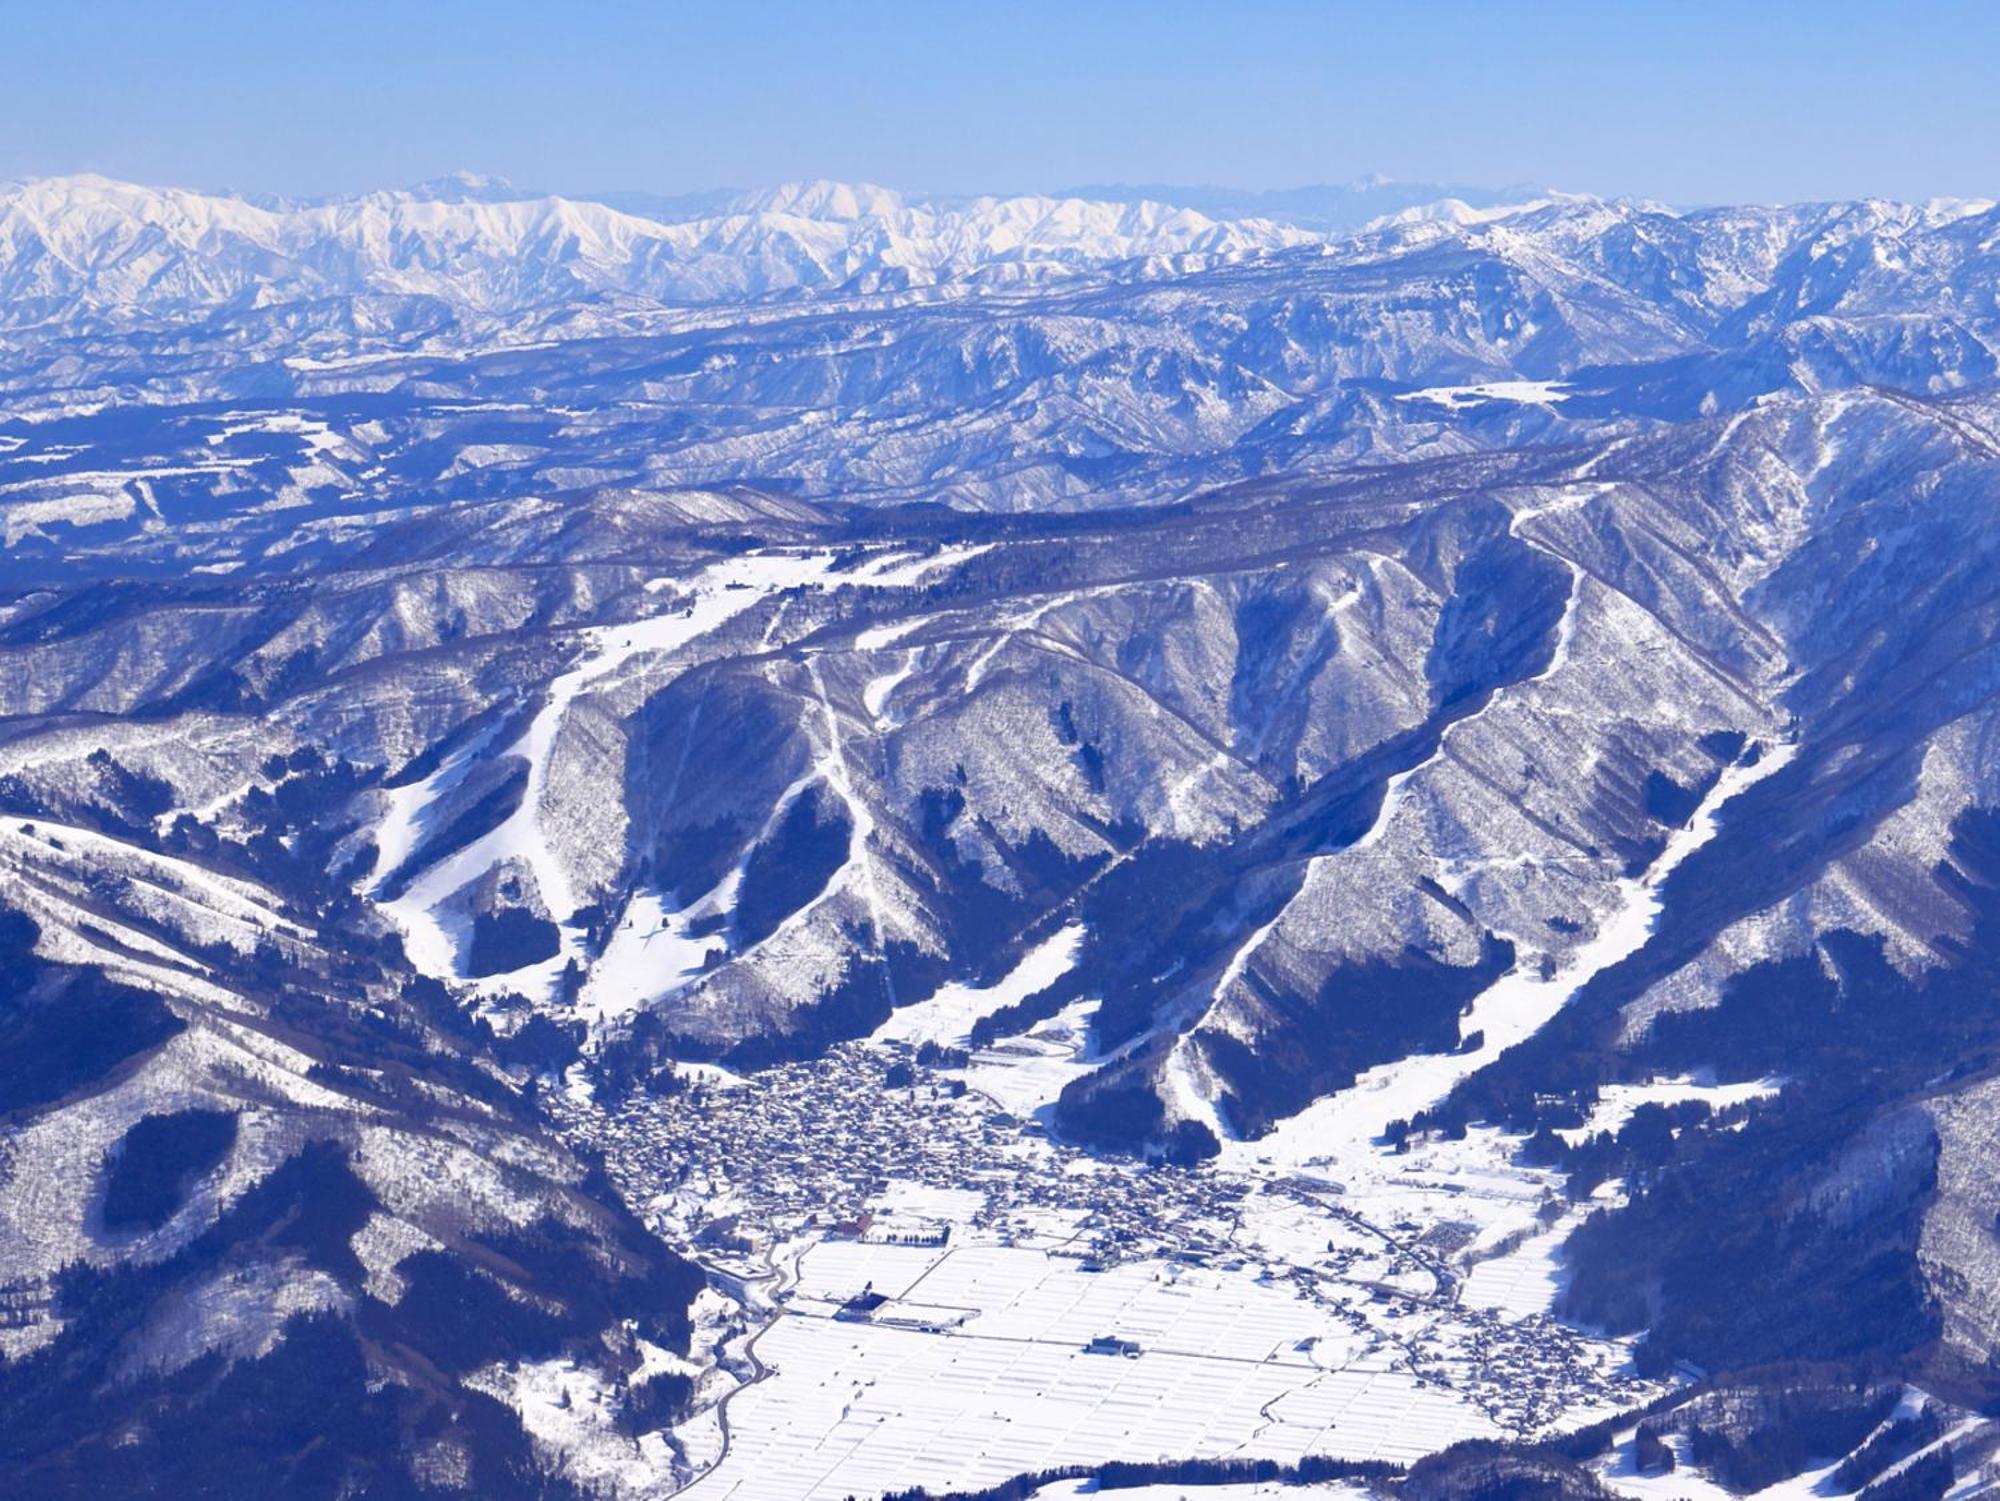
{"x": 813, "y": 1147}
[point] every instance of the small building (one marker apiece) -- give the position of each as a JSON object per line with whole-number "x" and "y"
{"x": 861, "y": 1307}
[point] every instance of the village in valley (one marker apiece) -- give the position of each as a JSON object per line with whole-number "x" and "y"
{"x": 890, "y": 1229}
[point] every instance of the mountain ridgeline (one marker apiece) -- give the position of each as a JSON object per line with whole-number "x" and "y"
{"x": 459, "y": 646}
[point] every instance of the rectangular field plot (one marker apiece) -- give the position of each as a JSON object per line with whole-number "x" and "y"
{"x": 1523, "y": 1282}
{"x": 1370, "y": 1410}
{"x": 835, "y": 1270}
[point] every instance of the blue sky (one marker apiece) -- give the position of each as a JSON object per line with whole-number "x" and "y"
{"x": 1688, "y": 102}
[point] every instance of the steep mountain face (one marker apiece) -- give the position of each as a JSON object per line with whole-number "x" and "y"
{"x": 1484, "y": 672}
{"x": 275, "y": 1218}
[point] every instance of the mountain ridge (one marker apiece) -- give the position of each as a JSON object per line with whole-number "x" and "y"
{"x": 1432, "y": 785}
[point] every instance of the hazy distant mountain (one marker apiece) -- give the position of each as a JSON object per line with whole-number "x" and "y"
{"x": 670, "y": 208}
{"x": 1326, "y": 206}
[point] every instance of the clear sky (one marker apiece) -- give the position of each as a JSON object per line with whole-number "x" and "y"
{"x": 1691, "y": 101}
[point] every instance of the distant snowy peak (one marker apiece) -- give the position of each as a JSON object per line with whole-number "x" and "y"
{"x": 86, "y": 249}
{"x": 91, "y": 245}
{"x": 467, "y": 252}
{"x": 1457, "y": 212}
{"x": 1330, "y": 208}
{"x": 470, "y": 187}
{"x": 823, "y": 198}
{"x": 1322, "y": 209}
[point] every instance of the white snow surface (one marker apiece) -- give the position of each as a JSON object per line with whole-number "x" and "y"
{"x": 1065, "y": 1490}
{"x": 1616, "y": 1103}
{"x": 857, "y": 1409}
{"x": 1521, "y": 392}
{"x": 570, "y": 1412}
{"x": 946, "y": 1017}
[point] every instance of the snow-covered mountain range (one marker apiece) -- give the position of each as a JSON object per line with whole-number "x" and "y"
{"x": 1292, "y": 702}
{"x": 90, "y": 248}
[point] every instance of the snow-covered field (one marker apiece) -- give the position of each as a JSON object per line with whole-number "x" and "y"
{"x": 1025, "y": 1074}
{"x": 1314, "y": 1326}
{"x": 1226, "y": 1365}
{"x": 947, "y": 1016}
{"x": 1521, "y": 392}
{"x": 1617, "y": 1103}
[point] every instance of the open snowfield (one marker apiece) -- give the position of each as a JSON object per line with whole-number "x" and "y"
{"x": 1023, "y": 1075}
{"x": 1520, "y": 392}
{"x": 858, "y": 1408}
{"x": 947, "y": 1016}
